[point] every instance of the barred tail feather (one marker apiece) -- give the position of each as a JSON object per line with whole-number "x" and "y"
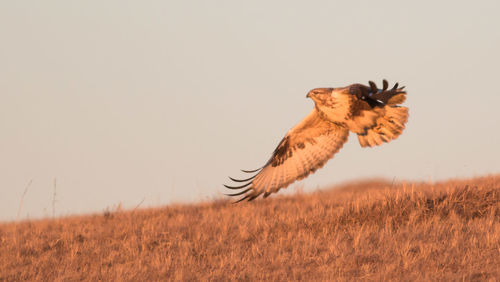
{"x": 388, "y": 127}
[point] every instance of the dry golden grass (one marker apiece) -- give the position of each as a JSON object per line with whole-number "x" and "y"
{"x": 366, "y": 230}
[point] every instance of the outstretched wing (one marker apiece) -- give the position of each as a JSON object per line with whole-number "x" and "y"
{"x": 376, "y": 115}
{"x": 305, "y": 148}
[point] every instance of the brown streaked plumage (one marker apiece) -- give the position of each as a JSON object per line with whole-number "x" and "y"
{"x": 373, "y": 114}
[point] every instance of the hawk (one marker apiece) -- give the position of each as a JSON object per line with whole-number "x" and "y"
{"x": 373, "y": 114}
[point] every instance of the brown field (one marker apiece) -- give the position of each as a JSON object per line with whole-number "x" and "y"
{"x": 371, "y": 230}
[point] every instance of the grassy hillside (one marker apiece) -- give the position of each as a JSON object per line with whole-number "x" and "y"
{"x": 367, "y": 230}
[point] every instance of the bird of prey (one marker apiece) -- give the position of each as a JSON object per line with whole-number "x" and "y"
{"x": 373, "y": 114}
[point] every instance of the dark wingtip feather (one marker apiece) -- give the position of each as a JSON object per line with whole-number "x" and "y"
{"x": 242, "y": 180}
{"x": 242, "y": 199}
{"x": 251, "y": 171}
{"x": 253, "y": 197}
{"x": 385, "y": 85}
{"x": 237, "y": 187}
{"x": 239, "y": 193}
{"x": 373, "y": 87}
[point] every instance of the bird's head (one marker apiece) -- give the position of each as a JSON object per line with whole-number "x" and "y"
{"x": 319, "y": 94}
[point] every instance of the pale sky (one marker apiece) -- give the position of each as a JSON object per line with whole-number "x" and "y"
{"x": 157, "y": 102}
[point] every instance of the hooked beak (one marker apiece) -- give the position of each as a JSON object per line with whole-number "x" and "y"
{"x": 308, "y": 95}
